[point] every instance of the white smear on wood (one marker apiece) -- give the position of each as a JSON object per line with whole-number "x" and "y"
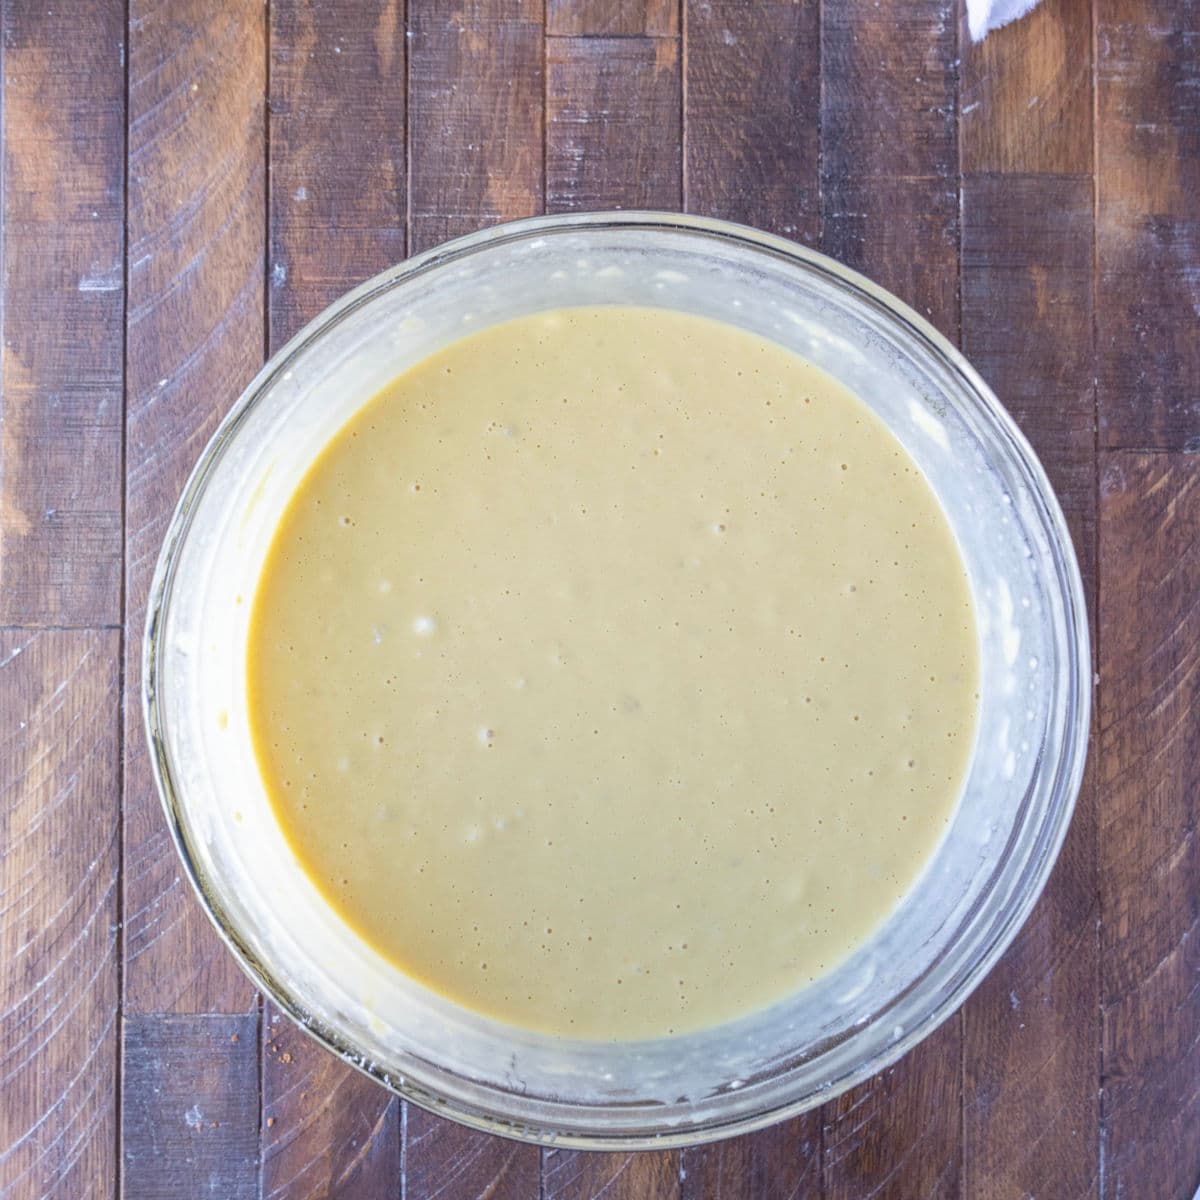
{"x": 101, "y": 281}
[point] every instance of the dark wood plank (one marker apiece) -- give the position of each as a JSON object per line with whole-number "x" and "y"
{"x": 783, "y": 1162}
{"x": 890, "y": 208}
{"x": 62, "y": 297}
{"x": 609, "y": 18}
{"x": 189, "y": 1122}
{"x": 890, "y": 183}
{"x": 59, "y": 761}
{"x": 613, "y": 140}
{"x": 888, "y": 109}
{"x": 903, "y": 233}
{"x": 1027, "y": 93}
{"x": 1027, "y": 323}
{"x": 613, "y": 136}
{"x": 337, "y": 153}
{"x": 338, "y": 201}
{"x": 897, "y": 1135}
{"x": 475, "y": 116}
{"x": 1031, "y": 1122}
{"x": 580, "y": 1175}
{"x": 328, "y": 1131}
{"x": 196, "y": 233}
{"x": 1148, "y": 230}
{"x": 753, "y": 90}
{"x": 445, "y": 1161}
{"x": 1149, "y": 807}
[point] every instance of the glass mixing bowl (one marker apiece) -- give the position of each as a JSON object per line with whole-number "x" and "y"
{"x": 947, "y": 933}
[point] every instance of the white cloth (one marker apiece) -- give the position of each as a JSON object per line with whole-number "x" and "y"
{"x": 985, "y": 15}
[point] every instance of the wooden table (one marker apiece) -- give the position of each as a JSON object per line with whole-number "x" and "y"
{"x": 185, "y": 182}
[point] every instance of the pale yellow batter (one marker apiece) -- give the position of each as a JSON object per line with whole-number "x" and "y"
{"x": 613, "y": 672}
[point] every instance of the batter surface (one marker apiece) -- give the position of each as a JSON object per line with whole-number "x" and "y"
{"x": 613, "y": 672}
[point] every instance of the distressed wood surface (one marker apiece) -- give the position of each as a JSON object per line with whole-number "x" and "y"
{"x": 1026, "y": 94}
{"x": 338, "y": 155}
{"x": 59, "y": 953}
{"x": 327, "y": 1130}
{"x": 752, "y": 111}
{"x": 1147, "y": 361}
{"x": 613, "y": 113}
{"x": 190, "y": 1111}
{"x": 890, "y": 209}
{"x": 889, "y": 183}
{"x": 185, "y": 184}
{"x": 444, "y": 1160}
{"x": 609, "y": 18}
{"x": 1148, "y": 223}
{"x": 476, "y": 136}
{"x": 1149, "y": 848}
{"x": 476, "y": 91}
{"x": 62, "y": 298}
{"x": 613, "y": 123}
{"x": 1031, "y": 1030}
{"x": 194, "y": 338}
{"x": 576, "y": 1175}
{"x": 783, "y": 1161}
{"x": 338, "y": 206}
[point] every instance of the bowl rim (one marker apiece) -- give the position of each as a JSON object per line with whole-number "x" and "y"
{"x": 1063, "y": 790}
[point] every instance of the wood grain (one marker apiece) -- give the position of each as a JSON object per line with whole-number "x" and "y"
{"x": 338, "y": 201}
{"x": 476, "y": 108}
{"x": 194, "y": 339}
{"x": 888, "y": 109}
{"x": 890, "y": 209}
{"x": 59, "y": 966}
{"x": 1031, "y": 1123}
{"x": 445, "y": 1161}
{"x": 1149, "y": 849}
{"x": 189, "y": 1122}
{"x": 752, "y": 92}
{"x": 338, "y": 190}
{"x": 783, "y": 1162}
{"x": 890, "y": 187}
{"x": 1027, "y": 324}
{"x": 898, "y": 1134}
{"x": 903, "y": 234}
{"x": 611, "y": 18}
{"x": 613, "y": 124}
{"x": 1148, "y": 227}
{"x": 62, "y": 296}
{"x": 846, "y": 134}
{"x": 1026, "y": 93}
{"x": 328, "y": 1131}
{"x": 580, "y": 1175}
